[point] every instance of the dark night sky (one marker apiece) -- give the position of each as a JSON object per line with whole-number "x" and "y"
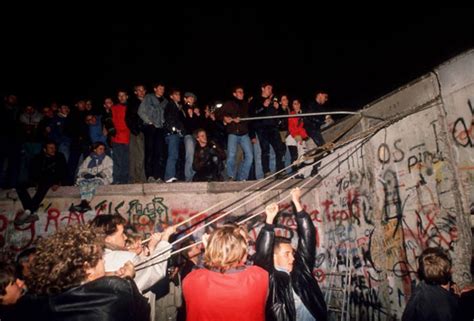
{"x": 358, "y": 56}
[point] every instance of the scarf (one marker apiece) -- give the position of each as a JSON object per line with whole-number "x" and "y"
{"x": 96, "y": 160}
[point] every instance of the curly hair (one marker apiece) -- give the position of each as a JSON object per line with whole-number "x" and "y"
{"x": 62, "y": 258}
{"x": 226, "y": 248}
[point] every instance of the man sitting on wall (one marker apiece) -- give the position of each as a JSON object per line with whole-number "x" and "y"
{"x": 208, "y": 159}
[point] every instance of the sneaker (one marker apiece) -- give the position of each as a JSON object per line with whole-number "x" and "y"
{"x": 151, "y": 179}
{"x": 24, "y": 217}
{"x": 171, "y": 180}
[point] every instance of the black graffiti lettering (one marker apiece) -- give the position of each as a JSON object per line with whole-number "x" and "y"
{"x": 462, "y": 136}
{"x": 412, "y": 161}
{"x": 383, "y": 153}
{"x": 435, "y": 132}
{"x": 467, "y": 142}
{"x": 398, "y": 154}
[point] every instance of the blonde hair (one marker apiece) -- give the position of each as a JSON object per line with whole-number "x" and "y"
{"x": 226, "y": 248}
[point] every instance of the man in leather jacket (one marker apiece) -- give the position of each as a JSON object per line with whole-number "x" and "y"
{"x": 208, "y": 160}
{"x": 67, "y": 282}
{"x": 294, "y": 292}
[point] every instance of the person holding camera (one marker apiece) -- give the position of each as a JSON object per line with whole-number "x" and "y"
{"x": 94, "y": 171}
{"x": 208, "y": 159}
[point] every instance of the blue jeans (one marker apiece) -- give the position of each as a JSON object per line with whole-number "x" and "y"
{"x": 246, "y": 145}
{"x": 257, "y": 152}
{"x": 189, "y": 144}
{"x": 173, "y": 153}
{"x": 65, "y": 148}
{"x": 120, "y": 158}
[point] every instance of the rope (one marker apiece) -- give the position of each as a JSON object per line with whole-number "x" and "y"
{"x": 302, "y": 115}
{"x": 139, "y": 267}
{"x": 365, "y": 136}
{"x": 224, "y": 214}
{"x": 254, "y": 215}
{"x": 223, "y": 201}
{"x": 321, "y": 150}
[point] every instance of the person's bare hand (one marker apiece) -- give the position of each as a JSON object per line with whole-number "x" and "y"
{"x": 168, "y": 232}
{"x": 155, "y": 238}
{"x": 126, "y": 270}
{"x": 296, "y": 198}
{"x": 205, "y": 240}
{"x": 271, "y": 210}
{"x": 55, "y": 187}
{"x": 296, "y": 194}
{"x": 237, "y": 120}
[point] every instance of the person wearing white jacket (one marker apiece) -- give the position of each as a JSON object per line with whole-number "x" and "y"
{"x": 118, "y": 260}
{"x": 95, "y": 170}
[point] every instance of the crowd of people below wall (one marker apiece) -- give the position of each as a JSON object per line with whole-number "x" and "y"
{"x": 157, "y": 137}
{"x": 105, "y": 271}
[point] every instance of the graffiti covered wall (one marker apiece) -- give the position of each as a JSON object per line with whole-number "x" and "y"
{"x": 384, "y": 197}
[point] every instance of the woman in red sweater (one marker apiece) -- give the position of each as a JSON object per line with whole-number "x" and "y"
{"x": 298, "y": 136}
{"x": 226, "y": 289}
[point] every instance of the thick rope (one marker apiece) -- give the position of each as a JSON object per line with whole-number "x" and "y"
{"x": 301, "y": 159}
{"x": 302, "y": 115}
{"x": 366, "y": 135}
{"x": 307, "y": 182}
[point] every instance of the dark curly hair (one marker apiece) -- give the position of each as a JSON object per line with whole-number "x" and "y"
{"x": 62, "y": 258}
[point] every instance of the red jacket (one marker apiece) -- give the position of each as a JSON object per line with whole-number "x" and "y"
{"x": 296, "y": 127}
{"x": 118, "y": 118}
{"x": 235, "y": 295}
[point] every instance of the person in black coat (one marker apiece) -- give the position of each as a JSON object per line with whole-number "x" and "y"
{"x": 68, "y": 275}
{"x": 48, "y": 170}
{"x": 294, "y": 292}
{"x": 208, "y": 160}
{"x": 432, "y": 299}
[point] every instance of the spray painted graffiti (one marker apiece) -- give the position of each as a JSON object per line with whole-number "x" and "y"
{"x": 380, "y": 206}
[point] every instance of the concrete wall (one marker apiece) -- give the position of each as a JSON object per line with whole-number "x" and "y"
{"x": 403, "y": 186}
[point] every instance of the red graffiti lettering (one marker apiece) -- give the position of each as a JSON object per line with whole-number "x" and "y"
{"x": 53, "y": 215}
{"x": 73, "y": 216}
{"x": 31, "y": 228}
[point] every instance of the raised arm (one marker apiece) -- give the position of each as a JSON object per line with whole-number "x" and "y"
{"x": 306, "y": 232}
{"x": 266, "y": 239}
